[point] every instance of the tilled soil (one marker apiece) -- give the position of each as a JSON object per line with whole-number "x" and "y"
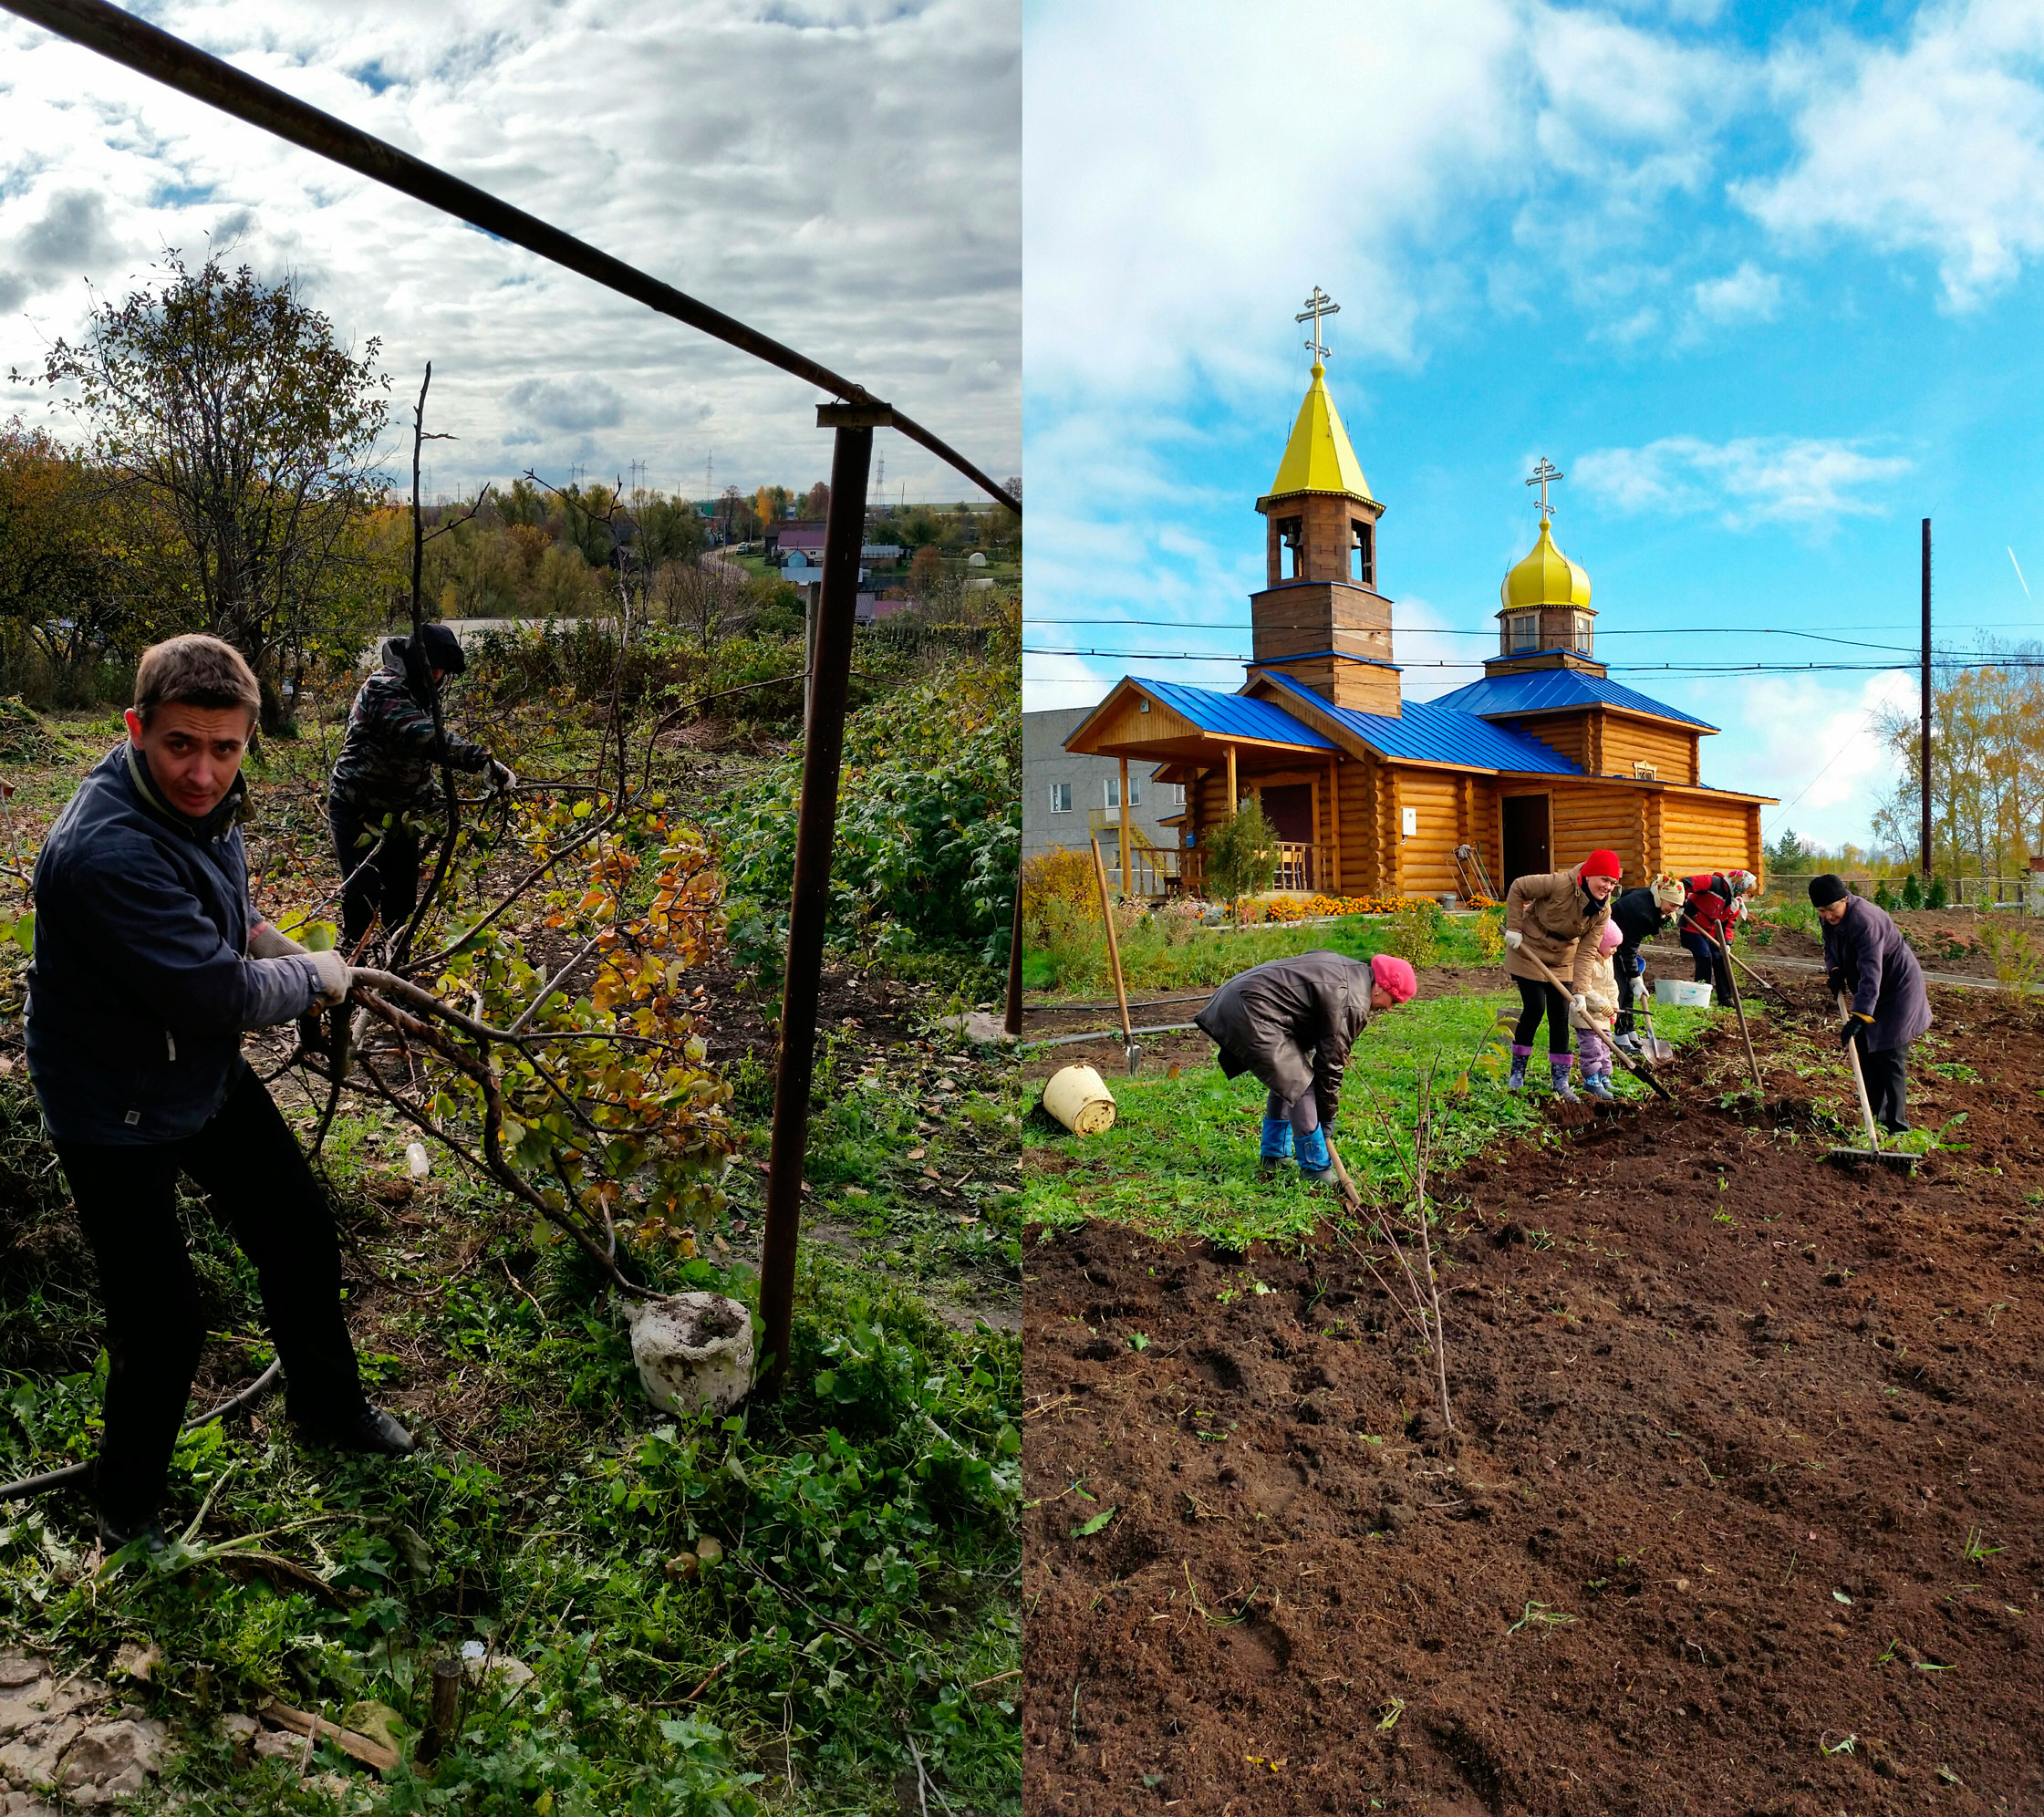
{"x": 1951, "y": 941}
{"x": 1742, "y": 1512}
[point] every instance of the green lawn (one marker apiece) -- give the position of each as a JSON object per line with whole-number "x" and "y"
{"x": 1182, "y": 1155}
{"x": 1157, "y": 955}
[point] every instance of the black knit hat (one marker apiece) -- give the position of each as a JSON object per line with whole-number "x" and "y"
{"x": 441, "y": 649}
{"x": 1827, "y": 889}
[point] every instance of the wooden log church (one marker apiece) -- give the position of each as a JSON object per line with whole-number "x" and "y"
{"x": 1529, "y": 769}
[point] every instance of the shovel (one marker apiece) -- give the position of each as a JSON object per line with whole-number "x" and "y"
{"x": 1131, "y": 1051}
{"x": 1874, "y": 1151}
{"x": 1637, "y": 1069}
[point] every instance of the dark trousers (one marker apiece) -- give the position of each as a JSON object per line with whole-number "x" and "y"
{"x": 387, "y": 882}
{"x": 1303, "y": 1113}
{"x": 254, "y": 1175}
{"x": 1536, "y": 1000}
{"x": 1712, "y": 967}
{"x": 1887, "y": 1085}
{"x": 1626, "y": 964}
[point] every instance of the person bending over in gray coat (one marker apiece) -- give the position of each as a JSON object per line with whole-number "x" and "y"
{"x": 1865, "y": 957}
{"x": 1291, "y": 1021}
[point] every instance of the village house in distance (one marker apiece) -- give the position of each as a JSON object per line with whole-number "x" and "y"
{"x": 1536, "y": 765}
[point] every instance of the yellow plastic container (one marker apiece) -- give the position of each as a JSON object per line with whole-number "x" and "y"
{"x": 1079, "y": 1098}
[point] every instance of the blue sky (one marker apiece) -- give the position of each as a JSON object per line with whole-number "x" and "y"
{"x": 844, "y": 174}
{"x": 1762, "y": 282}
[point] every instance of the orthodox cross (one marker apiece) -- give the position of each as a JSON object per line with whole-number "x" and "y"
{"x": 1318, "y": 305}
{"x": 1542, "y": 474}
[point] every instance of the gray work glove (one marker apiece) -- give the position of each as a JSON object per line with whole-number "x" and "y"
{"x": 502, "y": 779}
{"x": 1579, "y": 1004}
{"x": 334, "y": 976}
{"x": 1514, "y": 938}
{"x": 266, "y": 942}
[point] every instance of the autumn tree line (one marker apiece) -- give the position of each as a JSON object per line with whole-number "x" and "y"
{"x": 225, "y": 471}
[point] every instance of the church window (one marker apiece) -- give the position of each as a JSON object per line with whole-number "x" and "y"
{"x": 1291, "y": 534}
{"x": 1583, "y": 632}
{"x": 1362, "y": 553}
{"x": 1522, "y": 633}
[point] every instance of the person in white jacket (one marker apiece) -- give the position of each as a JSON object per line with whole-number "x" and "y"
{"x": 1600, "y": 1009}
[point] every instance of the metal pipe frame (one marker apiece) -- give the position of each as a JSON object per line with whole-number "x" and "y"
{"x": 822, "y": 752}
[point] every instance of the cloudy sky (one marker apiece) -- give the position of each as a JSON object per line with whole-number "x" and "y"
{"x": 1762, "y": 280}
{"x": 843, "y": 174}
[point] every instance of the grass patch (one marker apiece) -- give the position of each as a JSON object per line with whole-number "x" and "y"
{"x": 1164, "y": 952}
{"x": 1181, "y": 1158}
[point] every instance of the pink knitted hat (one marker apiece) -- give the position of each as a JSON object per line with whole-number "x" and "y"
{"x": 1610, "y": 940}
{"x": 1396, "y": 975}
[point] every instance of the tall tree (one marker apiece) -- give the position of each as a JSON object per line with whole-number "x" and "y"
{"x": 230, "y": 407}
{"x": 1986, "y": 765}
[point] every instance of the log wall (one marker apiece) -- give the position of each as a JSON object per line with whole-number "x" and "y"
{"x": 1700, "y": 834}
{"x": 1626, "y": 742}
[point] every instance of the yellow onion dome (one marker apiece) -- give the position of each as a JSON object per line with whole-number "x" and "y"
{"x": 1545, "y": 577}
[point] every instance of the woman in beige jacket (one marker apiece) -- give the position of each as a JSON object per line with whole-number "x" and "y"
{"x": 1551, "y": 926}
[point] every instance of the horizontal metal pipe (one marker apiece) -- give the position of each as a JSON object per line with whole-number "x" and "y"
{"x": 125, "y": 39}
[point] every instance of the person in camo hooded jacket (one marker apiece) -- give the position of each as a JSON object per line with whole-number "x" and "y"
{"x": 389, "y": 768}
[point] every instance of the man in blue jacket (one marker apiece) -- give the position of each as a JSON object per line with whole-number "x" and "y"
{"x": 1866, "y": 958}
{"x": 147, "y": 969}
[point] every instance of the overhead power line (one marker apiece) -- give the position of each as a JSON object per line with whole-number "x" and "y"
{"x": 1445, "y": 631}
{"x": 1948, "y": 665}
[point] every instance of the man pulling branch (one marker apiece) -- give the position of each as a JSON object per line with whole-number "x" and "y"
{"x": 149, "y": 965}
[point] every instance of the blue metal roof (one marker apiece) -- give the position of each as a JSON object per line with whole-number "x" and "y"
{"x": 1233, "y": 715}
{"x": 1427, "y": 732}
{"x": 1536, "y": 690}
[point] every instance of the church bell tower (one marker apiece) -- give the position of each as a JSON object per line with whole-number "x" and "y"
{"x": 1319, "y": 618}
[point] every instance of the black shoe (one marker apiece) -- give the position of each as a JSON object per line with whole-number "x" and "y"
{"x": 371, "y": 1430}
{"x": 115, "y": 1535}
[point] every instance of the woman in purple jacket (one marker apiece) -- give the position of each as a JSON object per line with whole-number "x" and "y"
{"x": 1866, "y": 958}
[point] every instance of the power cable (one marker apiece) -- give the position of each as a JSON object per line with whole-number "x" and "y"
{"x": 1943, "y": 664}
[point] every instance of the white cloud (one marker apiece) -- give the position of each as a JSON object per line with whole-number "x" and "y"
{"x": 1748, "y": 480}
{"x": 1747, "y": 294}
{"x": 1932, "y": 147}
{"x": 844, "y": 176}
{"x": 1191, "y": 175}
{"x": 1812, "y": 741}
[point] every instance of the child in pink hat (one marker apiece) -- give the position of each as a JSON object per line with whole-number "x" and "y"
{"x": 1594, "y": 1020}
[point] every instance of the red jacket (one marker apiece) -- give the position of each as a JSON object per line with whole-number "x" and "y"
{"x": 1706, "y": 911}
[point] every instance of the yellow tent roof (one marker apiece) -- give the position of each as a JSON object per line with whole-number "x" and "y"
{"x": 1545, "y": 577}
{"x": 1318, "y": 458}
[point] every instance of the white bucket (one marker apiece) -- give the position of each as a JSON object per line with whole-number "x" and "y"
{"x": 1682, "y": 993}
{"x": 1079, "y": 1098}
{"x": 693, "y": 1349}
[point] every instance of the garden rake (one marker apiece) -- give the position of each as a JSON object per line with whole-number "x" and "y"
{"x": 1874, "y": 1151}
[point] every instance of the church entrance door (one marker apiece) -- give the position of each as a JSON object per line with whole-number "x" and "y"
{"x": 1289, "y": 808}
{"x": 1526, "y": 841}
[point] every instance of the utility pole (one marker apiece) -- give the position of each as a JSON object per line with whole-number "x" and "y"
{"x": 1923, "y": 740}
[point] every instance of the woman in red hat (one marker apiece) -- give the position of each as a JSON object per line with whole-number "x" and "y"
{"x": 1553, "y": 923}
{"x": 1711, "y": 914}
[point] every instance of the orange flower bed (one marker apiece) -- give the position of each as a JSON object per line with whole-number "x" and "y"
{"x": 1299, "y": 908}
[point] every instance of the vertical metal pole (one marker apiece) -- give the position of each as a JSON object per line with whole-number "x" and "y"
{"x": 1925, "y": 741}
{"x": 816, "y": 829}
{"x": 1127, "y": 880}
{"x": 1014, "y": 1022}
